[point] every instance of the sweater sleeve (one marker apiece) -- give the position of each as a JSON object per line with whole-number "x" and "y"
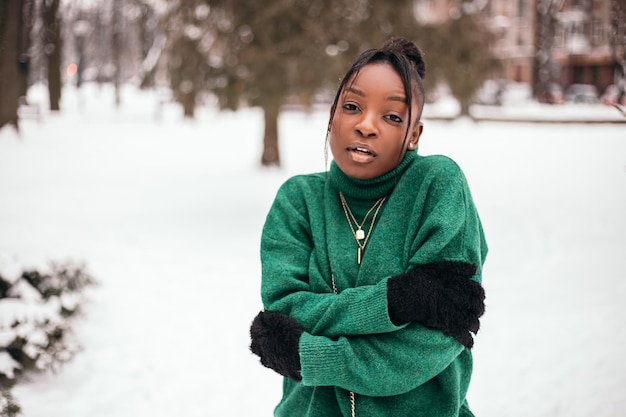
{"x": 448, "y": 227}
{"x": 287, "y": 250}
{"x": 377, "y": 365}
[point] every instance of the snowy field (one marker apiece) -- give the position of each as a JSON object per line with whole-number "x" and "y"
{"x": 167, "y": 216}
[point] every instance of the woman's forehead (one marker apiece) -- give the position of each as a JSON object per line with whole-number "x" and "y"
{"x": 377, "y": 77}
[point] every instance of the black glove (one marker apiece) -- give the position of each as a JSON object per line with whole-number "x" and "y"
{"x": 275, "y": 339}
{"x": 440, "y": 295}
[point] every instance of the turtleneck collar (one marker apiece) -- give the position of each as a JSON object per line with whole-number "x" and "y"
{"x": 369, "y": 189}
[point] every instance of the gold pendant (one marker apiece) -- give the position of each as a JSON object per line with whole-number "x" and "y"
{"x": 359, "y": 255}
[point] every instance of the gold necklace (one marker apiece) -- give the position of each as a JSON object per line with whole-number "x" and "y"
{"x": 352, "y": 394}
{"x": 358, "y": 233}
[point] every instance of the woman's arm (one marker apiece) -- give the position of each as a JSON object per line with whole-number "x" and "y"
{"x": 447, "y": 229}
{"x": 286, "y": 253}
{"x": 377, "y": 365}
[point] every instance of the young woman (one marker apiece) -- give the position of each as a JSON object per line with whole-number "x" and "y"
{"x": 371, "y": 271}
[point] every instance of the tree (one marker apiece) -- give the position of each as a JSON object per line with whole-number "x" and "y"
{"x": 13, "y": 50}
{"x": 9, "y": 16}
{"x": 152, "y": 41}
{"x": 39, "y": 308}
{"x": 53, "y": 49}
{"x": 116, "y": 48}
{"x": 26, "y": 23}
{"x": 190, "y": 34}
{"x": 545, "y": 26}
{"x": 459, "y": 56}
{"x": 617, "y": 42}
{"x": 268, "y": 51}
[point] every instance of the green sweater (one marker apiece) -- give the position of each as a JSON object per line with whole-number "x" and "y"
{"x": 350, "y": 343}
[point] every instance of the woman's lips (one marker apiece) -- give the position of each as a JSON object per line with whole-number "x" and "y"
{"x": 361, "y": 154}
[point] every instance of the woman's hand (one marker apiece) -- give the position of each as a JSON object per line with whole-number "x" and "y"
{"x": 440, "y": 295}
{"x": 275, "y": 339}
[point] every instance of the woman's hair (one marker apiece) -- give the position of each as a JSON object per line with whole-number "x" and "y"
{"x": 406, "y": 58}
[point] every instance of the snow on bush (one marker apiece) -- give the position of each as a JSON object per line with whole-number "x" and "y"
{"x": 37, "y": 307}
{"x": 8, "y": 406}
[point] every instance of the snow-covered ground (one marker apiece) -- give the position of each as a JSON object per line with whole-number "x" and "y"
{"x": 167, "y": 214}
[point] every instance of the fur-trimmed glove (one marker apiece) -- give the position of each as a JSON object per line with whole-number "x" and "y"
{"x": 439, "y": 295}
{"x": 275, "y": 339}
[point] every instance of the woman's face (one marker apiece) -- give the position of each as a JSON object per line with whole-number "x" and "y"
{"x": 370, "y": 122}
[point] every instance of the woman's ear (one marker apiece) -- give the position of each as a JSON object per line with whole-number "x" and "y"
{"x": 415, "y": 136}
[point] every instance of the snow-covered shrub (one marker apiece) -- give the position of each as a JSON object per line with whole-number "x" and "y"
{"x": 8, "y": 406}
{"x": 37, "y": 307}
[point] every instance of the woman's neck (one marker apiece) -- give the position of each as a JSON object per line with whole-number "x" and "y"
{"x": 370, "y": 189}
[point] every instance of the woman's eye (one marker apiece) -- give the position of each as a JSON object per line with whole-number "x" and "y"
{"x": 394, "y": 118}
{"x": 350, "y": 107}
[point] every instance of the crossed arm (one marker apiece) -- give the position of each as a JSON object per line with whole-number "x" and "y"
{"x": 433, "y": 308}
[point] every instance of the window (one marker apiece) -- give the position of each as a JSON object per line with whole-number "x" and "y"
{"x": 597, "y": 31}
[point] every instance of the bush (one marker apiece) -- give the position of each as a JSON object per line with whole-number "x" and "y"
{"x": 37, "y": 308}
{"x": 8, "y": 406}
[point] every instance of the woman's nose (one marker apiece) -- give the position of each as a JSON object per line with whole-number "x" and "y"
{"x": 366, "y": 126}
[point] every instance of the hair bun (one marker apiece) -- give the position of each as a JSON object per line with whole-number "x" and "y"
{"x": 408, "y": 49}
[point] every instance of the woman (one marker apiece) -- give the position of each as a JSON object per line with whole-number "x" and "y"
{"x": 372, "y": 270}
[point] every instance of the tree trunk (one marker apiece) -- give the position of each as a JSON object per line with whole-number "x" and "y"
{"x": 117, "y": 49}
{"x": 148, "y": 69}
{"x": 618, "y": 49}
{"x": 27, "y": 20}
{"x": 545, "y": 22}
{"x": 465, "y": 105}
{"x": 53, "y": 47}
{"x": 189, "y": 104}
{"x": 271, "y": 155}
{"x": 9, "y": 70}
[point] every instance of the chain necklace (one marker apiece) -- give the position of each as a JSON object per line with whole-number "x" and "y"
{"x": 359, "y": 235}
{"x": 352, "y": 394}
{"x": 357, "y": 230}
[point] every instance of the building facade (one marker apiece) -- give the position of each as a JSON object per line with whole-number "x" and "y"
{"x": 550, "y": 41}
{"x": 589, "y": 42}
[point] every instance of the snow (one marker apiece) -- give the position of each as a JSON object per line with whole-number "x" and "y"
{"x": 8, "y": 364}
{"x": 167, "y": 215}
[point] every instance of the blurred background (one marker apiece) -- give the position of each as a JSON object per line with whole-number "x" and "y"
{"x": 140, "y": 152}
{"x": 273, "y": 54}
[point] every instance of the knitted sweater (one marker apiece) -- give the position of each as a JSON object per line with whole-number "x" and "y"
{"x": 350, "y": 343}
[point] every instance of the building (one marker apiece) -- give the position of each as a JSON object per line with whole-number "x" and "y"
{"x": 512, "y": 24}
{"x": 588, "y": 44}
{"x": 549, "y": 41}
